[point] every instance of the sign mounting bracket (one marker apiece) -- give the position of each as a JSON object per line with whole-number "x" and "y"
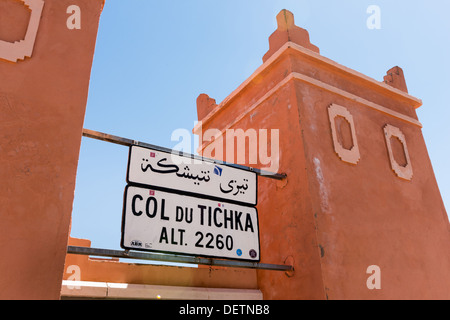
{"x": 127, "y": 254}
{"x": 129, "y": 142}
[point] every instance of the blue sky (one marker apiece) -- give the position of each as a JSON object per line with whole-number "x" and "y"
{"x": 153, "y": 59}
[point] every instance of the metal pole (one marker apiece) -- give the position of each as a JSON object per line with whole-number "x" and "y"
{"x": 128, "y": 142}
{"x": 176, "y": 259}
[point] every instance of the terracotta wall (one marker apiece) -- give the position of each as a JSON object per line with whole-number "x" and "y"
{"x": 338, "y": 214}
{"x": 42, "y": 105}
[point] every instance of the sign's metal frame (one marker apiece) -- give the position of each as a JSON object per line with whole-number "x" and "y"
{"x": 175, "y": 258}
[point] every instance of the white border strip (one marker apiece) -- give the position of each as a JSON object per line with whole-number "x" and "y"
{"x": 416, "y": 103}
{"x": 320, "y": 84}
{"x": 351, "y": 96}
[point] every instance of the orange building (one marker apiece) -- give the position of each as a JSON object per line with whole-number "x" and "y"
{"x": 358, "y": 216}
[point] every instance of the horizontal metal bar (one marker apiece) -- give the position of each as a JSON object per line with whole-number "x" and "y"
{"x": 129, "y": 142}
{"x": 175, "y": 258}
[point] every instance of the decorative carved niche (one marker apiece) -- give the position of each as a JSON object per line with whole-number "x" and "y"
{"x": 398, "y": 152}
{"x": 21, "y": 48}
{"x": 344, "y": 134}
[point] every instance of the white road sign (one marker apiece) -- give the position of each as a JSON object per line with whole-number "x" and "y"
{"x": 168, "y": 171}
{"x": 167, "y": 222}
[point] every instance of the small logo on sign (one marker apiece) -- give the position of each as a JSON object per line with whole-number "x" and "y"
{"x": 239, "y": 252}
{"x": 136, "y": 243}
{"x": 151, "y": 192}
{"x": 218, "y": 171}
{"x": 152, "y": 154}
{"x": 252, "y": 253}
